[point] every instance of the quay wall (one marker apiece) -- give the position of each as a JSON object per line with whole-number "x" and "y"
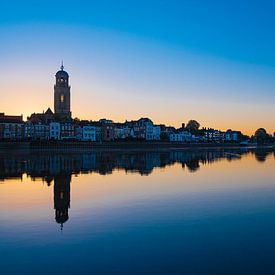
{"x": 90, "y": 146}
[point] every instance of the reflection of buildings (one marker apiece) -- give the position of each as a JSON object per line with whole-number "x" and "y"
{"x": 62, "y": 198}
{"x": 59, "y": 168}
{"x": 48, "y": 166}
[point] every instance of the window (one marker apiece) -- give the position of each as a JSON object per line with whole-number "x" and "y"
{"x": 62, "y": 98}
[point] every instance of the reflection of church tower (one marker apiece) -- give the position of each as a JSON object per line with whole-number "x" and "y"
{"x": 62, "y": 198}
{"x": 62, "y": 97}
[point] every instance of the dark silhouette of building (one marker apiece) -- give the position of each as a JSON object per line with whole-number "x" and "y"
{"x": 62, "y": 97}
{"x": 11, "y": 127}
{"x": 62, "y": 195}
{"x": 43, "y": 118}
{"x": 10, "y": 118}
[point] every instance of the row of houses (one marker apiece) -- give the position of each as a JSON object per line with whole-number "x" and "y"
{"x": 205, "y": 135}
{"x": 105, "y": 130}
{"x": 45, "y": 127}
{"x": 212, "y": 135}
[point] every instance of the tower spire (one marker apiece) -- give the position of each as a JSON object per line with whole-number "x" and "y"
{"x": 62, "y": 67}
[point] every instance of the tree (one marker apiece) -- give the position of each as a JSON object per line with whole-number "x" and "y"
{"x": 192, "y": 126}
{"x": 261, "y": 135}
{"x": 76, "y": 120}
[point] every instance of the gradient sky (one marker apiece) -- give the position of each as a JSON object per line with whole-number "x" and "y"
{"x": 213, "y": 61}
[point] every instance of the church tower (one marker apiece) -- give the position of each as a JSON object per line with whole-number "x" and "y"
{"x": 62, "y": 97}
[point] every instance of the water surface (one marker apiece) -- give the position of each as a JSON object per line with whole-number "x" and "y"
{"x": 169, "y": 212}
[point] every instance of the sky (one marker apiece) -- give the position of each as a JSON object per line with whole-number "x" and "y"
{"x": 172, "y": 61}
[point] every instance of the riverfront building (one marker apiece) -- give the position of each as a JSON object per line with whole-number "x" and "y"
{"x": 62, "y": 94}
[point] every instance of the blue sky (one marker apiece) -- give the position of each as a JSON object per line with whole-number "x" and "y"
{"x": 176, "y": 60}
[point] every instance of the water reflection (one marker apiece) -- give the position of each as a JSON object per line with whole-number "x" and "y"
{"x": 49, "y": 165}
{"x": 62, "y": 189}
{"x": 57, "y": 169}
{"x": 206, "y": 212}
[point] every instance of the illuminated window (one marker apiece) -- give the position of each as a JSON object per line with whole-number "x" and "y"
{"x": 62, "y": 98}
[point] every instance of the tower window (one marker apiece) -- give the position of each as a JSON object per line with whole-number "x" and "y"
{"x": 62, "y": 98}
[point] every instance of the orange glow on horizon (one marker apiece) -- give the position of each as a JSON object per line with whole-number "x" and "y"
{"x": 219, "y": 115}
{"x": 246, "y": 128}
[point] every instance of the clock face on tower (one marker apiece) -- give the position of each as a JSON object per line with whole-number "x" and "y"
{"x": 62, "y": 97}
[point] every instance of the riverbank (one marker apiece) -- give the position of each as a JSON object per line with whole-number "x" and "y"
{"x": 91, "y": 146}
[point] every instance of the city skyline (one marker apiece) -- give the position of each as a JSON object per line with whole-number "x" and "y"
{"x": 137, "y": 137}
{"x": 177, "y": 125}
{"x": 171, "y": 70}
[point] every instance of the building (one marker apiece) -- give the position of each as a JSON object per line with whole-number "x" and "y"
{"x": 37, "y": 131}
{"x": 148, "y": 130}
{"x": 165, "y": 132}
{"x": 42, "y": 118}
{"x": 108, "y": 132}
{"x": 78, "y": 132}
{"x": 139, "y": 128}
{"x": 138, "y": 132}
{"x": 152, "y": 132}
{"x": 89, "y": 133}
{"x": 62, "y": 96}
{"x": 98, "y": 133}
{"x": 232, "y": 135}
{"x": 119, "y": 133}
{"x": 55, "y": 131}
{"x": 144, "y": 126}
{"x": 67, "y": 131}
{"x": 105, "y": 121}
{"x": 11, "y": 127}
{"x": 142, "y": 129}
{"x": 122, "y": 131}
{"x": 29, "y": 130}
{"x": 212, "y": 135}
{"x": 41, "y": 131}
{"x": 183, "y": 136}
